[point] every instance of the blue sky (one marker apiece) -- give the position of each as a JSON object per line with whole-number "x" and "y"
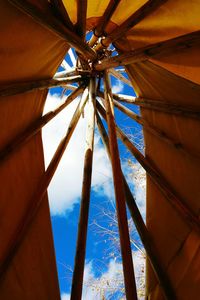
{"x": 65, "y": 189}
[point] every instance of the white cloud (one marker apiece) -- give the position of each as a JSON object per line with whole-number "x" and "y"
{"x": 139, "y": 182}
{"x": 136, "y": 179}
{"x": 95, "y": 287}
{"x": 65, "y": 296}
{"x": 112, "y": 279}
{"x": 117, "y": 87}
{"x": 65, "y": 188}
{"x": 102, "y": 173}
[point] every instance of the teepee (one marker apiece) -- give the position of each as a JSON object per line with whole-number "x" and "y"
{"x": 158, "y": 44}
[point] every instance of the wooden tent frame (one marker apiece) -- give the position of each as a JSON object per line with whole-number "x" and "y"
{"x": 87, "y": 77}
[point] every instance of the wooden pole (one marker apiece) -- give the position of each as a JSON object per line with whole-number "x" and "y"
{"x": 36, "y": 200}
{"x": 120, "y": 76}
{"x": 66, "y": 73}
{"x": 129, "y": 278}
{"x": 81, "y": 18}
{"x": 56, "y": 27}
{"x": 99, "y": 30}
{"x": 143, "y": 232}
{"x": 123, "y": 98}
{"x": 156, "y": 131}
{"x": 77, "y": 281}
{"x": 74, "y": 72}
{"x": 60, "y": 10}
{"x": 24, "y": 136}
{"x": 169, "y": 193}
{"x": 65, "y": 65}
{"x": 160, "y": 181}
{"x": 178, "y": 44}
{"x": 133, "y": 20}
{"x": 163, "y": 106}
{"x": 70, "y": 87}
{"x": 129, "y": 112}
{"x": 29, "y": 86}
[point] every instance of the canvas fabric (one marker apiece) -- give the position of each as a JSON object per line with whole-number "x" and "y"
{"x": 30, "y": 51}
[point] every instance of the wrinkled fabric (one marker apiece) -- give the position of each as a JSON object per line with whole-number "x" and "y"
{"x": 29, "y": 51}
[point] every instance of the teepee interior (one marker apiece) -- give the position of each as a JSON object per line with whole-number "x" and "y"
{"x": 157, "y": 43}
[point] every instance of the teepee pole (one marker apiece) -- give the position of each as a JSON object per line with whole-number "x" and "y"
{"x": 59, "y": 8}
{"x": 77, "y": 281}
{"x": 81, "y": 18}
{"x": 178, "y": 44}
{"x": 65, "y": 65}
{"x": 156, "y": 131}
{"x": 74, "y": 72}
{"x": 120, "y": 97}
{"x": 63, "y": 74}
{"x": 129, "y": 278}
{"x": 55, "y": 26}
{"x": 129, "y": 112}
{"x": 144, "y": 11}
{"x": 134, "y": 19}
{"x": 21, "y": 138}
{"x": 38, "y": 196}
{"x": 99, "y": 30}
{"x": 140, "y": 226}
{"x": 29, "y": 86}
{"x": 164, "y": 186}
{"x": 166, "y": 107}
{"x": 119, "y": 76}
{"x": 70, "y": 87}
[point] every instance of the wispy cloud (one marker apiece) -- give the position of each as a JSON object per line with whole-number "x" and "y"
{"x": 65, "y": 296}
{"x": 138, "y": 178}
{"x": 65, "y": 188}
{"x": 110, "y": 282}
{"x": 95, "y": 287}
{"x": 117, "y": 87}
